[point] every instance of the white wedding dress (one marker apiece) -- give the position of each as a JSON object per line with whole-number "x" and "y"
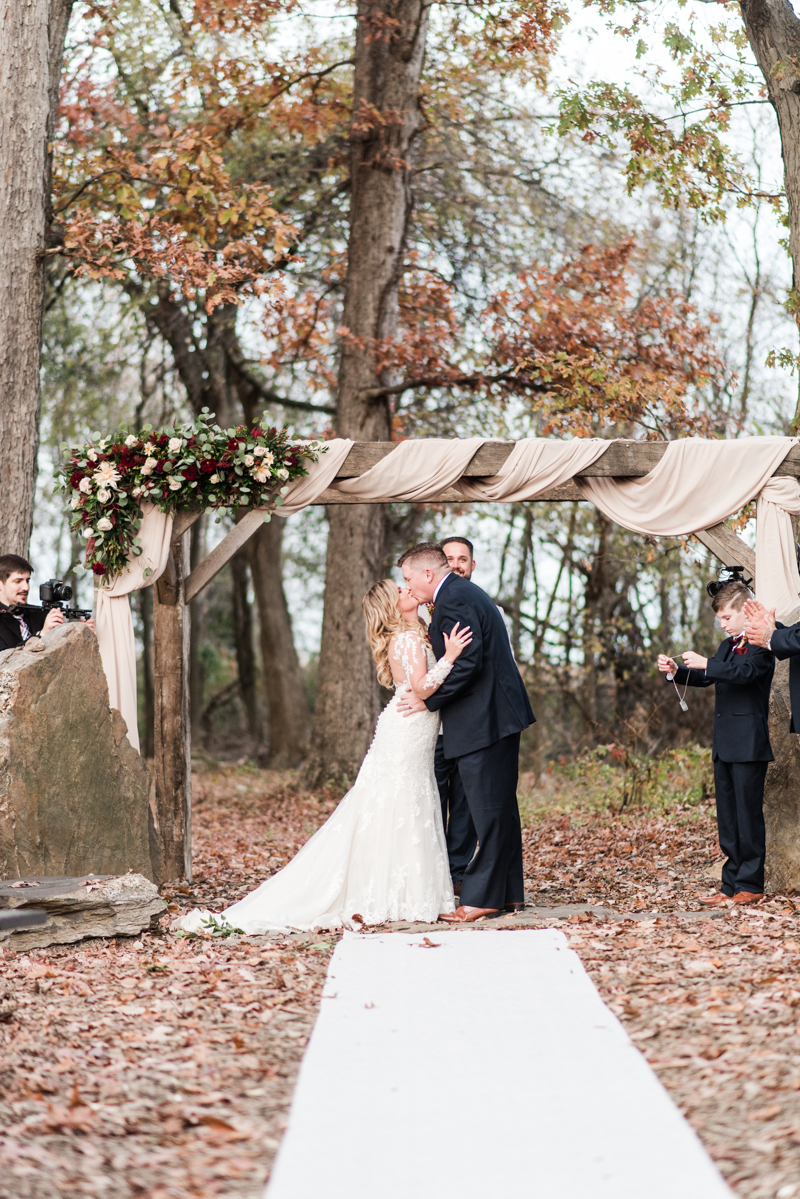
{"x": 381, "y": 855}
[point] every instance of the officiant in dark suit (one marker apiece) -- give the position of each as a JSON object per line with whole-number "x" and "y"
{"x": 484, "y": 708}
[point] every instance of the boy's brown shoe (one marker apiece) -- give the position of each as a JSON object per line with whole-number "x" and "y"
{"x": 716, "y": 900}
{"x": 748, "y": 897}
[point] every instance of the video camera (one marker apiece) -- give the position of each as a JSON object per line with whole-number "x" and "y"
{"x": 55, "y": 594}
{"x": 728, "y": 574}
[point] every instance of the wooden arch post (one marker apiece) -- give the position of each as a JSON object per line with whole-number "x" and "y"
{"x": 177, "y": 588}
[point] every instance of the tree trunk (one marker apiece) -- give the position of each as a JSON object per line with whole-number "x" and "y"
{"x": 287, "y": 703}
{"x": 208, "y": 370}
{"x": 773, "y": 30}
{"x": 245, "y": 655}
{"x": 390, "y": 47}
{"x": 31, "y": 53}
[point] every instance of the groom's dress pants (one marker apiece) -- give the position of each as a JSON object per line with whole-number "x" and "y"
{"x": 459, "y": 829}
{"x": 494, "y": 876}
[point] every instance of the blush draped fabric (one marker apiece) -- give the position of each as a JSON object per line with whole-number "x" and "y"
{"x": 112, "y": 614}
{"x": 698, "y": 483}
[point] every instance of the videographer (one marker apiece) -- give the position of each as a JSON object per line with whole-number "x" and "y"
{"x": 18, "y": 621}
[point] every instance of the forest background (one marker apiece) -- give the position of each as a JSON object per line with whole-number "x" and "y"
{"x": 550, "y": 277}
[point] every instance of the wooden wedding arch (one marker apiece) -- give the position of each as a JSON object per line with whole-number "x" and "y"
{"x": 177, "y": 587}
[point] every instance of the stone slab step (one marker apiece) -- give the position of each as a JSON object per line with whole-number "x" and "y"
{"x": 89, "y": 906}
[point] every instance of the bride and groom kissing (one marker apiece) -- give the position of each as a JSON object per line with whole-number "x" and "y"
{"x": 382, "y": 855}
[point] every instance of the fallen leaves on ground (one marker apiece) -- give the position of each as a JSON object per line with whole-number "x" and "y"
{"x": 163, "y": 1066}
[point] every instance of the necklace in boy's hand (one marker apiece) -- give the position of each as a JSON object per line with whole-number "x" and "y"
{"x": 693, "y": 661}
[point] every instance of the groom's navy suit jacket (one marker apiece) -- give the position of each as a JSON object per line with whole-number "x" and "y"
{"x": 484, "y": 696}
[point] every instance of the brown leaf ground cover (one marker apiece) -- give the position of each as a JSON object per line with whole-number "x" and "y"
{"x": 164, "y": 1066}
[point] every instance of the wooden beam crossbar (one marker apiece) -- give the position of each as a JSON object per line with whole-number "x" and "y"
{"x": 622, "y": 460}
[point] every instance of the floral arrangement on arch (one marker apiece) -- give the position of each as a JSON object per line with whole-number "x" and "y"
{"x": 198, "y": 465}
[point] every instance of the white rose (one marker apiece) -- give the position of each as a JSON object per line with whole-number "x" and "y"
{"x": 131, "y": 440}
{"x": 214, "y": 479}
{"x": 91, "y": 455}
{"x": 149, "y": 447}
{"x": 175, "y": 484}
{"x": 75, "y": 502}
{"x": 174, "y": 445}
{"x": 259, "y": 451}
{"x": 137, "y": 491}
{"x": 104, "y": 524}
{"x": 104, "y": 495}
{"x": 249, "y": 460}
{"x": 282, "y": 473}
{"x": 87, "y": 533}
{"x": 85, "y": 486}
{"x": 149, "y": 466}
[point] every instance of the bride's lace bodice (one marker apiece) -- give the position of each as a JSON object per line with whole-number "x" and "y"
{"x": 410, "y": 650}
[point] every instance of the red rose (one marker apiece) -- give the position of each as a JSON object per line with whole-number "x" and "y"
{"x": 233, "y": 444}
{"x": 190, "y": 473}
{"x": 98, "y": 568}
{"x": 208, "y": 466}
{"x": 288, "y": 462}
{"x": 75, "y": 478}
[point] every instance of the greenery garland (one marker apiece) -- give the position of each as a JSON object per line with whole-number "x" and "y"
{"x": 194, "y": 465}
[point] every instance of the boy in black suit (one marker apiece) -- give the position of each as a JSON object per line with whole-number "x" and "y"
{"x": 742, "y": 674}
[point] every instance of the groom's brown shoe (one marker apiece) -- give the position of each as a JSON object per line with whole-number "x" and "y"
{"x": 469, "y": 914}
{"x": 466, "y": 915}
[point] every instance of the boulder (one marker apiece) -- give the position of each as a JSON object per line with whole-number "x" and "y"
{"x": 782, "y": 789}
{"x": 80, "y": 907}
{"x": 74, "y": 793}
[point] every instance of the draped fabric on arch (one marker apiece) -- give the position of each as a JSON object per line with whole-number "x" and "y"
{"x": 697, "y": 484}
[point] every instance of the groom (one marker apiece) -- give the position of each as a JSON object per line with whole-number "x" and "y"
{"x": 484, "y": 708}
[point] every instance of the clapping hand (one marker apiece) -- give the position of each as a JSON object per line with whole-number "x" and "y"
{"x": 760, "y": 622}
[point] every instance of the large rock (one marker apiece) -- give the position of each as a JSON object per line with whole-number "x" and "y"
{"x": 74, "y": 793}
{"x": 80, "y": 907}
{"x": 782, "y": 790}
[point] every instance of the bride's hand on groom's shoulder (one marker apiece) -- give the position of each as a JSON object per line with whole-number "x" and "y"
{"x": 409, "y": 703}
{"x": 456, "y": 641}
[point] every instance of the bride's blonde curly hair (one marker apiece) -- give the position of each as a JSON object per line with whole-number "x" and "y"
{"x": 383, "y": 618}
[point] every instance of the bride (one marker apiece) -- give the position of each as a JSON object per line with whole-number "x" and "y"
{"x": 381, "y": 855}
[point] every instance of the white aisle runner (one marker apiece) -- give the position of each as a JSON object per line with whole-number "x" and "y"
{"x": 487, "y": 1065}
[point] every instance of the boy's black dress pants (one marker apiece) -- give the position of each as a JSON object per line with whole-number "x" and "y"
{"x": 739, "y": 788}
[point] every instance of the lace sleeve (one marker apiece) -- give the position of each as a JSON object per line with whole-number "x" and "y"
{"x": 436, "y": 675}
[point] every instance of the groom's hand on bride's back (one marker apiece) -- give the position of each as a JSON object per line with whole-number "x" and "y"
{"x": 409, "y": 703}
